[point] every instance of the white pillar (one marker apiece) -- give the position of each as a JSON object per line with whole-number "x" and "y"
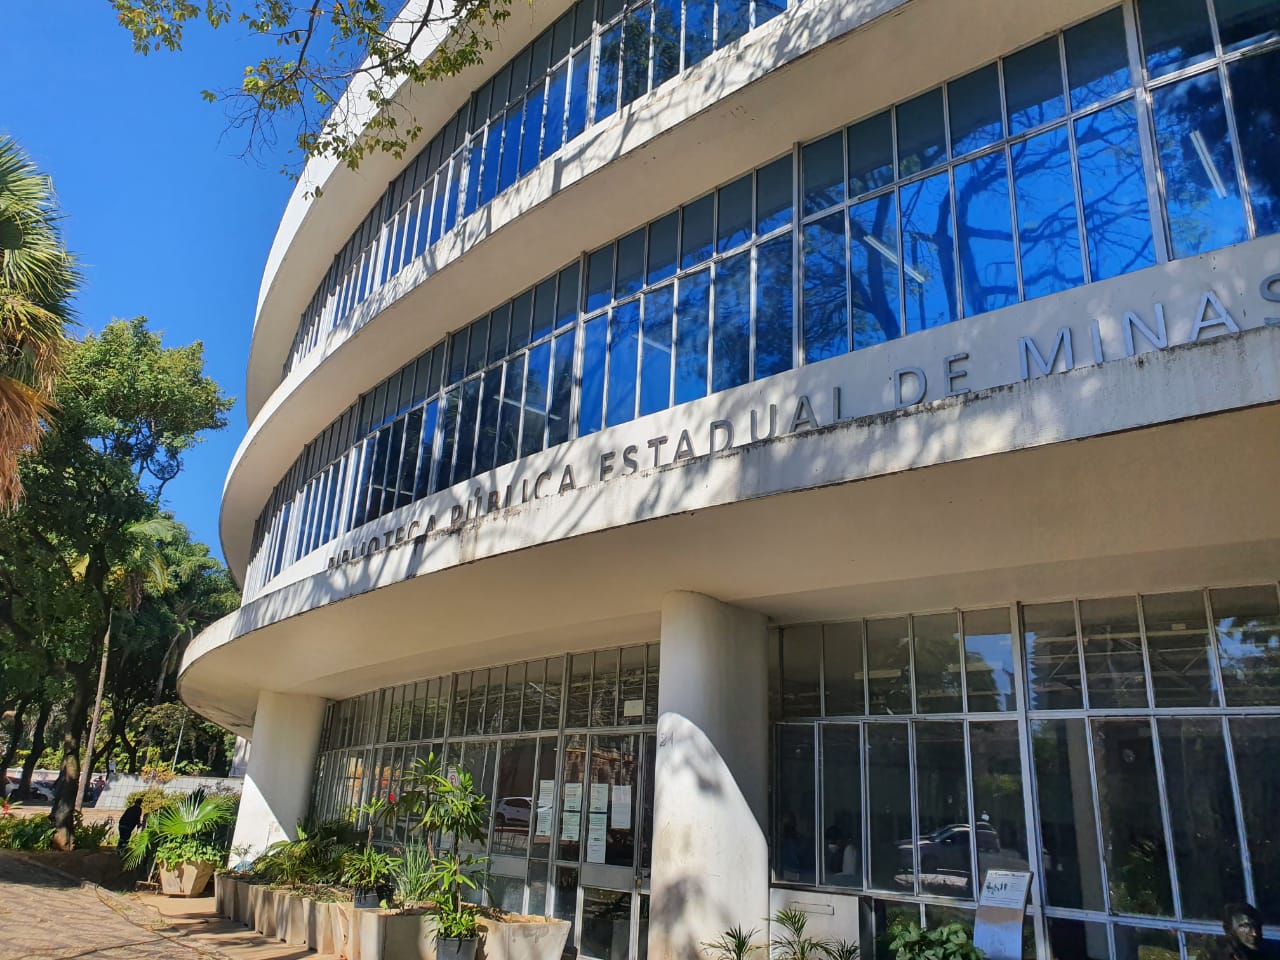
{"x": 277, "y": 785}
{"x": 710, "y": 852}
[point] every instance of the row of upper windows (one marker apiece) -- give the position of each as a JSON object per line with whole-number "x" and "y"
{"x": 898, "y": 230}
{"x": 596, "y": 58}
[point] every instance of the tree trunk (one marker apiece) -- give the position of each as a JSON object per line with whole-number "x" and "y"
{"x": 131, "y": 749}
{"x": 64, "y": 803}
{"x": 11, "y": 750}
{"x": 83, "y": 779}
{"x": 37, "y": 748}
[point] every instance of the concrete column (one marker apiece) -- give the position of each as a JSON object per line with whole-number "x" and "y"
{"x": 277, "y": 785}
{"x": 710, "y": 852}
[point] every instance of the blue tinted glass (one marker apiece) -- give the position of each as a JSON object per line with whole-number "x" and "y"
{"x": 766, "y": 10}
{"x": 492, "y": 158}
{"x": 873, "y": 270}
{"x": 561, "y": 389}
{"x": 473, "y": 178}
{"x": 692, "y": 318}
{"x": 423, "y": 486}
{"x": 360, "y": 511}
{"x": 1175, "y": 34}
{"x": 544, "y": 307}
{"x": 1044, "y": 197}
{"x": 500, "y": 330}
{"x": 553, "y": 125}
{"x": 478, "y": 347}
{"x": 607, "y": 72}
{"x": 984, "y": 235}
{"x": 928, "y": 254}
{"x": 1254, "y": 82}
{"x": 774, "y": 306}
{"x": 490, "y": 407}
{"x": 1033, "y": 86}
{"x": 458, "y": 354}
{"x": 579, "y": 84}
{"x": 630, "y": 264}
{"x": 663, "y": 235}
{"x": 823, "y": 304}
{"x": 974, "y": 104}
{"x": 698, "y": 29}
{"x": 510, "y": 165}
{"x": 468, "y": 412}
{"x": 624, "y": 339}
{"x": 1244, "y": 22}
{"x": 1097, "y": 59}
{"x": 535, "y": 399}
{"x": 699, "y": 218}
{"x": 599, "y": 278}
{"x": 437, "y": 207}
{"x": 1201, "y": 196}
{"x": 567, "y": 297}
{"x": 732, "y": 20}
{"x": 870, "y": 154}
{"x": 666, "y": 40}
{"x": 921, "y": 136}
{"x": 655, "y": 358}
{"x": 773, "y": 196}
{"x": 735, "y": 214}
{"x": 448, "y": 438}
{"x": 635, "y": 55}
{"x": 591, "y": 398}
{"x": 509, "y": 417}
{"x": 522, "y": 319}
{"x": 822, "y": 165}
{"x": 1116, "y": 220}
{"x": 532, "y": 129}
{"x": 424, "y": 215}
{"x": 731, "y": 341}
{"x": 453, "y": 201}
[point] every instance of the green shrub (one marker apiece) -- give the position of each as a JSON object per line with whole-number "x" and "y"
{"x": 314, "y": 858}
{"x": 948, "y": 942}
{"x": 192, "y": 829}
{"x": 152, "y": 799}
{"x": 91, "y": 836}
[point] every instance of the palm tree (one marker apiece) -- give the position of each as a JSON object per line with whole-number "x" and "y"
{"x": 38, "y": 277}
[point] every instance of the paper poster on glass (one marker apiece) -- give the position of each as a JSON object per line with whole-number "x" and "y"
{"x": 620, "y": 816}
{"x": 573, "y": 796}
{"x": 596, "y": 834}
{"x": 599, "y": 797}
{"x": 570, "y": 825}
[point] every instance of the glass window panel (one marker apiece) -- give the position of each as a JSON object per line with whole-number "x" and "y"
{"x": 1048, "y": 231}
{"x": 889, "y": 807}
{"x": 988, "y": 660}
{"x": 1033, "y": 86}
{"x": 1113, "y": 653}
{"x": 1201, "y": 195}
{"x": 735, "y": 214}
{"x": 663, "y": 235}
{"x": 888, "y": 668}
{"x": 1135, "y": 943}
{"x": 448, "y": 439}
{"x": 943, "y": 801}
{"x": 1256, "y": 742}
{"x": 1000, "y": 822}
{"x": 614, "y": 764}
{"x": 509, "y": 418}
{"x": 499, "y": 332}
{"x": 1129, "y": 803}
{"x": 561, "y": 389}
{"x": 841, "y": 805}
{"x": 583, "y": 13}
{"x": 732, "y": 20}
{"x": 635, "y": 55}
{"x": 873, "y": 269}
{"x": 1077, "y": 940}
{"x": 822, "y": 166}
{"x": 565, "y": 897}
{"x": 591, "y": 396}
{"x": 774, "y": 306}
{"x": 577, "y": 713}
{"x": 825, "y": 304}
{"x": 921, "y": 133}
{"x": 461, "y": 697}
{"x": 1068, "y": 832}
{"x": 505, "y": 893}
{"x": 692, "y": 318}
{"x": 794, "y": 846}
{"x": 490, "y": 408}
{"x": 624, "y": 340}
{"x": 630, "y": 264}
{"x": 937, "y": 664}
{"x": 651, "y": 685}
{"x": 698, "y": 220}
{"x": 544, "y": 309}
{"x": 531, "y": 708}
{"x": 606, "y": 924}
{"x": 731, "y": 347}
{"x": 842, "y": 671}
{"x": 1244, "y": 22}
{"x": 604, "y": 689}
{"x": 521, "y": 318}
{"x": 535, "y": 399}
{"x": 1175, "y": 34}
{"x": 492, "y": 163}
{"x": 1097, "y": 59}
{"x": 984, "y": 231}
{"x": 1247, "y": 625}
{"x": 1113, "y": 187}
{"x": 567, "y": 297}
{"x": 870, "y": 154}
{"x": 928, "y": 253}
{"x": 610, "y": 9}
{"x": 698, "y": 27}
{"x": 579, "y": 85}
{"x": 607, "y": 72}
{"x": 1254, "y": 81}
{"x": 631, "y": 685}
{"x": 773, "y": 195}
{"x": 801, "y": 658}
{"x": 666, "y": 40}
{"x": 553, "y": 125}
{"x": 973, "y": 102}
{"x": 1202, "y": 815}
{"x": 514, "y": 799}
{"x": 408, "y": 462}
{"x": 531, "y": 134}
{"x": 467, "y": 417}
{"x": 477, "y": 351}
{"x": 575, "y": 774}
{"x": 599, "y": 278}
{"x": 551, "y": 693}
{"x": 655, "y": 357}
{"x": 1178, "y": 647}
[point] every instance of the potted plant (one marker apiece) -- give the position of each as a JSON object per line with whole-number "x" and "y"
{"x": 792, "y": 941}
{"x": 368, "y": 872}
{"x": 948, "y": 942}
{"x": 186, "y": 841}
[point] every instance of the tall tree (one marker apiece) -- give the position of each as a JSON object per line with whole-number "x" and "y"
{"x": 37, "y": 281}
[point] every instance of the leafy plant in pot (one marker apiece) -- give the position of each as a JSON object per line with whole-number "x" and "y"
{"x": 447, "y": 811}
{"x": 186, "y": 840}
{"x": 368, "y": 870}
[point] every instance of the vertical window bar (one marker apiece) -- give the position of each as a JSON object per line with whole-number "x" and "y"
{"x": 1146, "y": 136}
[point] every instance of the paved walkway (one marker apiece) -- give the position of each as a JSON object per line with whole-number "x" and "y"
{"x": 47, "y": 915}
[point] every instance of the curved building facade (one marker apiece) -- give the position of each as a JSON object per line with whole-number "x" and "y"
{"x": 800, "y": 455}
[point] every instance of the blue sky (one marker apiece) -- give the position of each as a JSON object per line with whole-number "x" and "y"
{"x": 168, "y": 221}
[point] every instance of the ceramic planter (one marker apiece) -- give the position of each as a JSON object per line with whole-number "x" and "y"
{"x": 187, "y": 879}
{"x": 538, "y": 938}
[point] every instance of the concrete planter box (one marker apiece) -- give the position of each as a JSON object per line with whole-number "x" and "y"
{"x": 341, "y": 920}
{"x": 224, "y": 895}
{"x": 241, "y": 895}
{"x": 536, "y": 938}
{"x": 187, "y": 880}
{"x": 388, "y": 935}
{"x": 320, "y": 927}
{"x": 262, "y": 904}
{"x": 291, "y": 917}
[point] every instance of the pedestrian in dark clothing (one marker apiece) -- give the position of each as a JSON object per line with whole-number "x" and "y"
{"x": 130, "y": 820}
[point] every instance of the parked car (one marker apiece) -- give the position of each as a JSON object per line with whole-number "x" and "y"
{"x": 512, "y": 812}
{"x": 946, "y": 850}
{"x": 40, "y": 792}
